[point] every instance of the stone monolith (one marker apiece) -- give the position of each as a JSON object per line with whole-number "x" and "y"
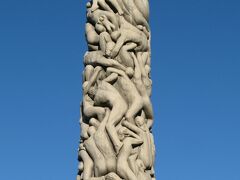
{"x": 116, "y": 120}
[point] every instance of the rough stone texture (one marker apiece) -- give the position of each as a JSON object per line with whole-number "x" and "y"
{"x": 116, "y": 112}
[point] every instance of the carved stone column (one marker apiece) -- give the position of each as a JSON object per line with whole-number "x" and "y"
{"x": 116, "y": 112}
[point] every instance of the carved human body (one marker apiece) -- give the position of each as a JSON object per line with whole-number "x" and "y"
{"x": 108, "y": 95}
{"x": 123, "y": 168}
{"x": 130, "y": 92}
{"x": 146, "y": 147}
{"x": 104, "y": 145}
{"x": 128, "y": 33}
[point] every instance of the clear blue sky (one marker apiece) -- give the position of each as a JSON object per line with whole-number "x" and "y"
{"x": 196, "y": 96}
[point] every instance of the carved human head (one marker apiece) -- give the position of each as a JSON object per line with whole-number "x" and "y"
{"x": 140, "y": 27}
{"x": 88, "y": 5}
{"x": 148, "y": 83}
{"x": 92, "y": 92}
{"x": 101, "y": 19}
{"x": 139, "y": 120}
{"x": 140, "y": 165}
{"x": 122, "y": 133}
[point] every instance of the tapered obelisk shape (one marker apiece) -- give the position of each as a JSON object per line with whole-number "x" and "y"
{"x": 116, "y": 112}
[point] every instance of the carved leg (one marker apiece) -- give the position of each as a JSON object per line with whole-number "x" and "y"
{"x": 104, "y": 5}
{"x": 88, "y": 164}
{"x": 124, "y": 54}
{"x": 115, "y": 117}
{"x": 92, "y": 111}
{"x": 116, "y": 5}
{"x": 88, "y": 72}
{"x": 104, "y": 39}
{"x": 134, "y": 109}
{"x": 132, "y": 162}
{"x": 98, "y": 159}
{"x": 94, "y": 5}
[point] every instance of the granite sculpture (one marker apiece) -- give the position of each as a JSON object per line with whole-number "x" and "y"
{"x": 116, "y": 120}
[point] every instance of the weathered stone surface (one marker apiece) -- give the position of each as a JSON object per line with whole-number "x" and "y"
{"x": 116, "y": 112}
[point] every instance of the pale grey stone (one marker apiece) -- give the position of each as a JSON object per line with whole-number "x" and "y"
{"x": 116, "y": 112}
